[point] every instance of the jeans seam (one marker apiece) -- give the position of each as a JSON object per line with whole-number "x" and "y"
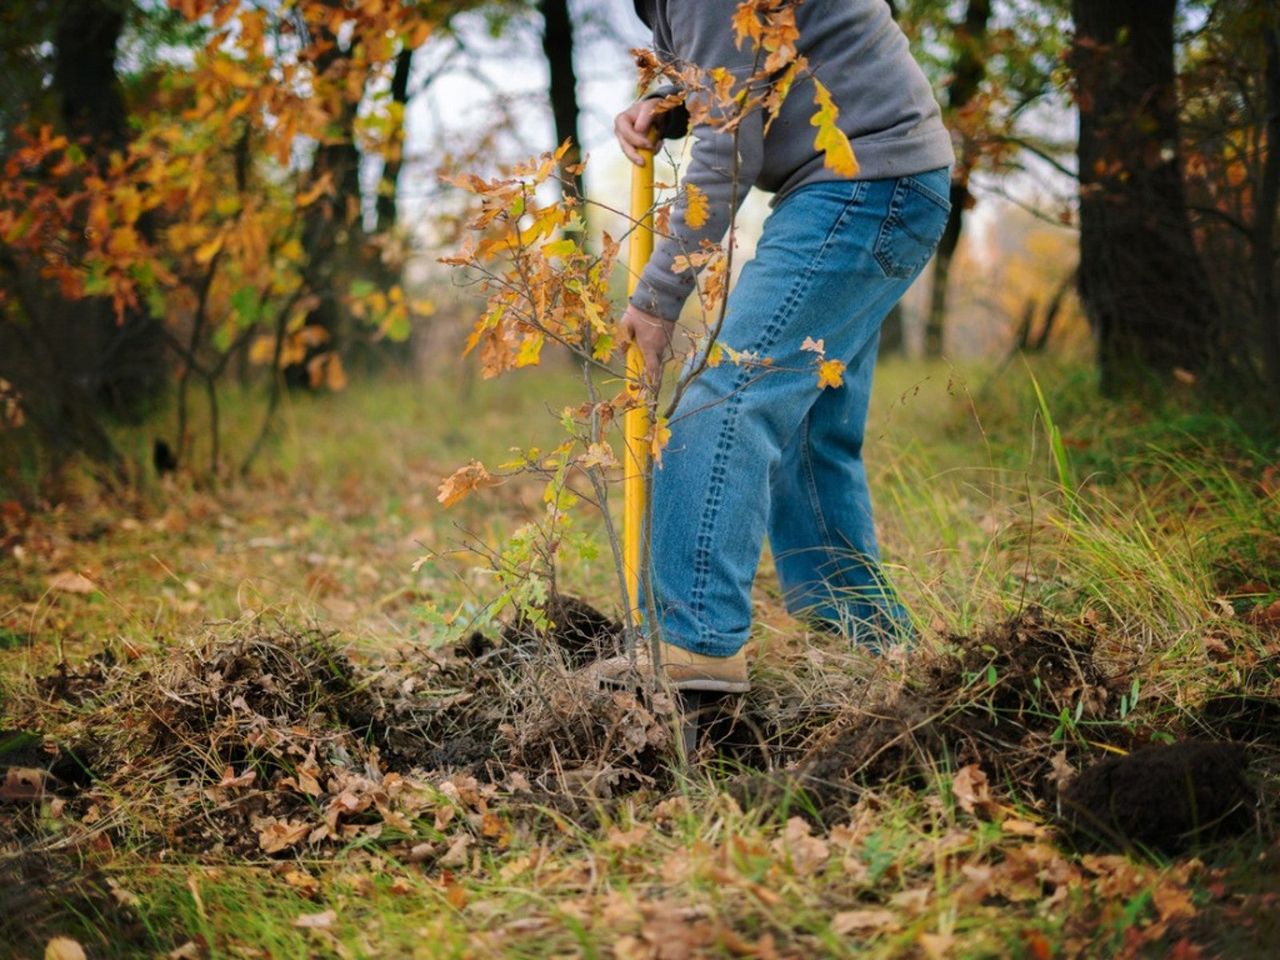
{"x": 703, "y": 537}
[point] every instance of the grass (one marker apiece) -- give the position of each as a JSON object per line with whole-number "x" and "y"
{"x": 1160, "y": 525}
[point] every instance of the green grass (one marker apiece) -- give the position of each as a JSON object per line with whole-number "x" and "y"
{"x": 990, "y": 496}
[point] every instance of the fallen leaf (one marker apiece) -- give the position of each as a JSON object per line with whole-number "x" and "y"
{"x": 303, "y": 882}
{"x": 936, "y": 946}
{"x": 1265, "y": 616}
{"x": 626, "y": 839}
{"x": 805, "y": 852}
{"x": 316, "y": 921}
{"x": 855, "y": 921}
{"x": 276, "y": 835}
{"x": 63, "y": 948}
{"x": 229, "y": 778}
{"x": 71, "y": 582}
{"x": 22, "y": 783}
{"x": 972, "y": 790}
{"x": 456, "y": 855}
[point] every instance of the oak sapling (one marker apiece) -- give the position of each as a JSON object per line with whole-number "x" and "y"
{"x": 544, "y": 286}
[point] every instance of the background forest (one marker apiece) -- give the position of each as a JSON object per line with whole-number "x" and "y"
{"x": 289, "y": 589}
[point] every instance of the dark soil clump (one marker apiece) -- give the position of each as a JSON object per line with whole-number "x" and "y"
{"x": 578, "y": 630}
{"x": 1166, "y": 798}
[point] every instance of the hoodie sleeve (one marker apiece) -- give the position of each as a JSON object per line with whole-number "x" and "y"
{"x": 703, "y": 35}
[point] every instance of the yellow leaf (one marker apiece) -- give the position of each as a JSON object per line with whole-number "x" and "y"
{"x": 661, "y": 437}
{"x": 697, "y": 206}
{"x": 530, "y": 350}
{"x": 208, "y": 250}
{"x": 559, "y": 248}
{"x": 63, "y": 948}
{"x": 471, "y": 477}
{"x": 831, "y": 140}
{"x": 830, "y": 374}
{"x": 261, "y": 350}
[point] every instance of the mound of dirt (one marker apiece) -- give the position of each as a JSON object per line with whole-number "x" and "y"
{"x": 997, "y": 700}
{"x": 580, "y": 631}
{"x": 1167, "y": 798}
{"x": 240, "y": 741}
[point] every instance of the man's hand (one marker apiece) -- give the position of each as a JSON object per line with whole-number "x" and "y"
{"x": 652, "y": 335}
{"x": 634, "y": 129}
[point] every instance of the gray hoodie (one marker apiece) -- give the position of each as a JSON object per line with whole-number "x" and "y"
{"x": 886, "y": 106}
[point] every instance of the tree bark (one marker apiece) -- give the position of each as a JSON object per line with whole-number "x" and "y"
{"x": 1141, "y": 280}
{"x": 1266, "y": 283}
{"x": 557, "y": 46}
{"x": 969, "y": 70}
{"x": 394, "y": 163}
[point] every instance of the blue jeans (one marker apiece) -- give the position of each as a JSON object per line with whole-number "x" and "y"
{"x": 756, "y": 449}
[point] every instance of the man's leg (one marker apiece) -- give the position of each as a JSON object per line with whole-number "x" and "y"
{"x": 820, "y": 521}
{"x": 818, "y": 255}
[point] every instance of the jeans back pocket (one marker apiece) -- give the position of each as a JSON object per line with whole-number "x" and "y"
{"x": 917, "y": 217}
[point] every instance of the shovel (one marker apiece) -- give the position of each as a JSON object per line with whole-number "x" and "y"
{"x": 635, "y": 430}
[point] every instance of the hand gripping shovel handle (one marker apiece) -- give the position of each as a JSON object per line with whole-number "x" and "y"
{"x": 636, "y": 421}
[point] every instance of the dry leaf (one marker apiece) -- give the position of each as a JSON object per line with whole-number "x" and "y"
{"x": 303, "y": 882}
{"x": 805, "y": 852}
{"x": 71, "y": 582}
{"x": 63, "y": 948}
{"x": 971, "y": 790}
{"x": 276, "y": 835}
{"x": 316, "y": 921}
{"x": 937, "y": 946}
{"x": 857, "y": 921}
{"x": 229, "y": 778}
{"x": 626, "y": 839}
{"x": 462, "y": 481}
{"x": 456, "y": 855}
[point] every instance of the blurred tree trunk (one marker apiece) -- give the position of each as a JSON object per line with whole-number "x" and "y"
{"x": 332, "y": 228}
{"x": 1142, "y": 283}
{"x": 1264, "y": 242}
{"x": 968, "y": 72}
{"x": 74, "y": 361}
{"x": 557, "y": 46}
{"x": 892, "y": 331}
{"x": 389, "y": 183}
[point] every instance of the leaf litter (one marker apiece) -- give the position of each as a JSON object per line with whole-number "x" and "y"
{"x": 268, "y": 741}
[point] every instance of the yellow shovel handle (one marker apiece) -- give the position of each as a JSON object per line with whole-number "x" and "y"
{"x": 635, "y": 425}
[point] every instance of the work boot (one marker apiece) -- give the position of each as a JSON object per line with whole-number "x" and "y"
{"x": 681, "y": 669}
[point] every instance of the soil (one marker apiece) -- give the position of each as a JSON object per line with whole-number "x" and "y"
{"x": 1167, "y": 798}
{"x": 174, "y": 728}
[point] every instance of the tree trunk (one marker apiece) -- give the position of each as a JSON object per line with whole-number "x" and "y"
{"x": 394, "y": 163}
{"x": 1264, "y": 243}
{"x": 557, "y": 46}
{"x": 969, "y": 70}
{"x": 892, "y": 334}
{"x": 893, "y": 341}
{"x": 119, "y": 364}
{"x": 1141, "y": 282}
{"x": 332, "y": 226}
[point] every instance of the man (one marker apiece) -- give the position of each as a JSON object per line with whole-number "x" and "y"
{"x": 763, "y": 449}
